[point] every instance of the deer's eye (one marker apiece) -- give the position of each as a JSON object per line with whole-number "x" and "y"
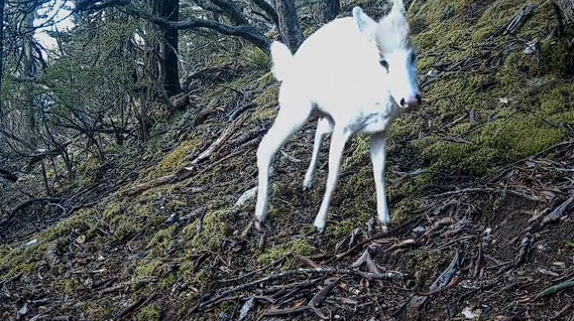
{"x": 385, "y": 64}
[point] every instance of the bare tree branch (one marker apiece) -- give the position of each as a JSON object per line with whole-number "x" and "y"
{"x": 232, "y": 11}
{"x": 8, "y": 175}
{"x": 268, "y": 9}
{"x": 245, "y": 31}
{"x": 242, "y": 28}
{"x": 207, "y": 5}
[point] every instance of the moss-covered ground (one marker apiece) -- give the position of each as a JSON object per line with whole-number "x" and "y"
{"x": 487, "y": 104}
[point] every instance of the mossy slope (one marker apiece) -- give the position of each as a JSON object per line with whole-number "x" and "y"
{"x": 521, "y": 105}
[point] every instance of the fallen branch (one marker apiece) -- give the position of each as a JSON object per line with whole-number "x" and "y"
{"x": 225, "y": 136}
{"x": 562, "y": 311}
{"x": 187, "y": 172}
{"x": 378, "y": 236}
{"x": 239, "y": 110}
{"x": 275, "y": 312}
{"x": 313, "y": 304}
{"x": 29, "y": 202}
{"x": 455, "y": 281}
{"x": 382, "y": 276}
{"x": 524, "y": 14}
{"x": 558, "y": 212}
{"x": 307, "y": 261}
{"x": 157, "y": 182}
{"x": 142, "y": 302}
{"x": 321, "y": 296}
{"x": 555, "y": 289}
{"x": 488, "y": 189}
{"x": 447, "y": 275}
{"x": 8, "y": 175}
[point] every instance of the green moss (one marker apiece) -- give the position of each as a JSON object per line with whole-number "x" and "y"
{"x": 80, "y": 222}
{"x": 215, "y": 227}
{"x": 418, "y": 24}
{"x": 427, "y": 265}
{"x": 557, "y": 58}
{"x": 497, "y": 143}
{"x": 404, "y": 210}
{"x": 149, "y": 313}
{"x": 16, "y": 260}
{"x": 161, "y": 241}
{"x": 148, "y": 269}
{"x": 88, "y": 170}
{"x": 267, "y": 79}
{"x": 460, "y": 128}
{"x": 268, "y": 98}
{"x": 168, "y": 282}
{"x": 175, "y": 205}
{"x": 197, "y": 279}
{"x": 67, "y": 285}
{"x": 114, "y": 207}
{"x": 517, "y": 68}
{"x": 520, "y": 136}
{"x": 125, "y": 226}
{"x": 258, "y": 59}
{"x": 175, "y": 160}
{"x": 533, "y": 85}
{"x": 345, "y": 227}
{"x": 300, "y": 246}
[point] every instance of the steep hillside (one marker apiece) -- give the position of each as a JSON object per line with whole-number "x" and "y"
{"x": 480, "y": 175}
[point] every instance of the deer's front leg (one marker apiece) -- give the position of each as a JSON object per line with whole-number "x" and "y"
{"x": 378, "y": 157}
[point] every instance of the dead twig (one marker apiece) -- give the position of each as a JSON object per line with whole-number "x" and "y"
{"x": 187, "y": 172}
{"x": 554, "y": 289}
{"x": 313, "y": 303}
{"x": 447, "y": 275}
{"x": 557, "y": 212}
{"x": 479, "y": 258}
{"x": 525, "y": 245}
{"x": 44, "y": 200}
{"x": 391, "y": 275}
{"x": 307, "y": 261}
{"x": 274, "y": 312}
{"x": 321, "y": 296}
{"x": 455, "y": 281}
{"x": 562, "y": 311}
{"x": 225, "y": 136}
{"x": 488, "y": 189}
{"x": 378, "y": 236}
{"x": 237, "y": 112}
{"x": 135, "y": 306}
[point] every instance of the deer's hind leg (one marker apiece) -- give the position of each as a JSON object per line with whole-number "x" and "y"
{"x": 293, "y": 113}
{"x": 324, "y": 127}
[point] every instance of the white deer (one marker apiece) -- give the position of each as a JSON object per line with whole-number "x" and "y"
{"x": 356, "y": 75}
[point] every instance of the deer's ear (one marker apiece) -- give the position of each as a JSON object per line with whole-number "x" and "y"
{"x": 366, "y": 25}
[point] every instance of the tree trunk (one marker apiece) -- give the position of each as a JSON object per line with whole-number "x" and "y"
{"x": 1, "y": 51}
{"x": 169, "y": 64}
{"x": 330, "y": 9}
{"x": 289, "y": 26}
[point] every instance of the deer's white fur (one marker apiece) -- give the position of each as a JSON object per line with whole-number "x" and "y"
{"x": 338, "y": 73}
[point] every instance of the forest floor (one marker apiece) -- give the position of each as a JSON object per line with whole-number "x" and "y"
{"x": 480, "y": 185}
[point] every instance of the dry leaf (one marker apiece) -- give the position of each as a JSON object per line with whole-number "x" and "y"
{"x": 298, "y": 304}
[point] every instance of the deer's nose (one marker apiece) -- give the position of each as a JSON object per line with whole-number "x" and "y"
{"x": 411, "y": 101}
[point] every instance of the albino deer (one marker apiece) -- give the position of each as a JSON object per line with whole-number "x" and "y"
{"x": 356, "y": 75}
